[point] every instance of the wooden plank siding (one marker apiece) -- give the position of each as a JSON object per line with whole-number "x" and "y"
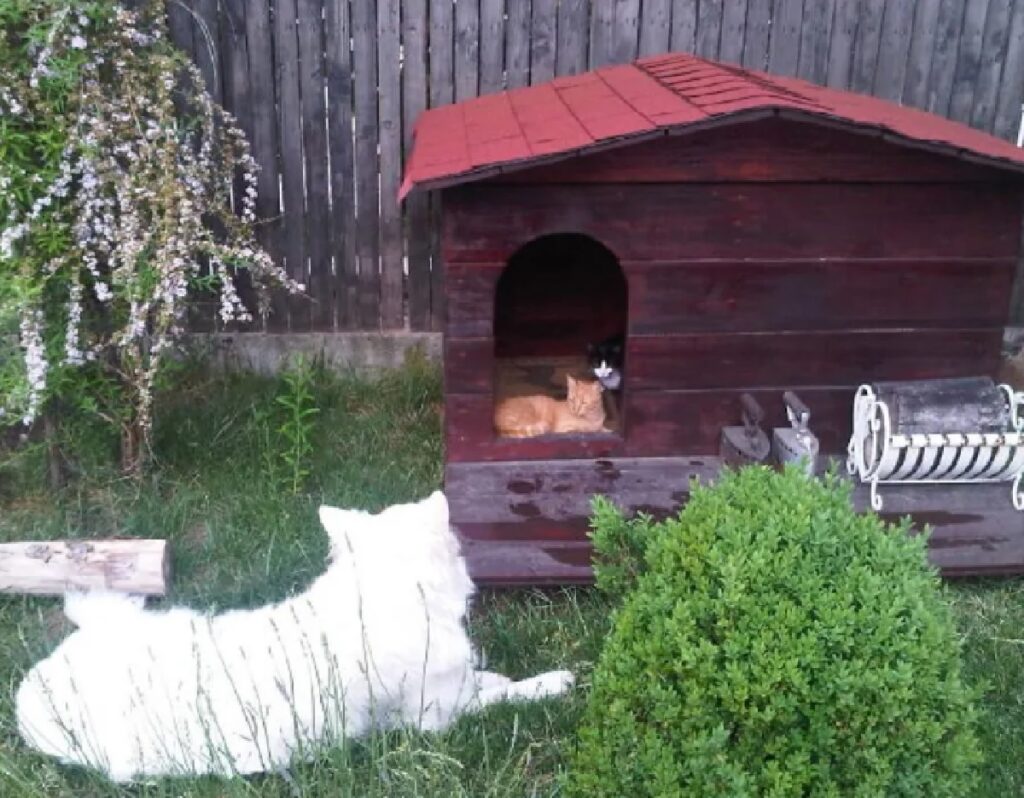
{"x": 328, "y": 169}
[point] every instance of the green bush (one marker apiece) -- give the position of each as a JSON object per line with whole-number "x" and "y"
{"x": 773, "y": 643}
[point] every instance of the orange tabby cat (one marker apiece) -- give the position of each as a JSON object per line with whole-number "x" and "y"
{"x": 526, "y": 416}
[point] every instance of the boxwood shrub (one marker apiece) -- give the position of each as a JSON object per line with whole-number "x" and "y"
{"x": 773, "y": 642}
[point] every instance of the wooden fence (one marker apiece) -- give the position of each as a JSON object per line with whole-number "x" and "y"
{"x": 328, "y": 91}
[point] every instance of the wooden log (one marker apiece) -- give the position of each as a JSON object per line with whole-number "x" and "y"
{"x": 52, "y": 567}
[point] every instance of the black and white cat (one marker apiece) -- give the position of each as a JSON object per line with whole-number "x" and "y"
{"x": 605, "y": 359}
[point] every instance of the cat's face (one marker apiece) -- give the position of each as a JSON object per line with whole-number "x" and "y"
{"x": 584, "y": 397}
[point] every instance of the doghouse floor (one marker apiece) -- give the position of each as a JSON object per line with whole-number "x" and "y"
{"x": 525, "y": 523}
{"x": 527, "y": 376}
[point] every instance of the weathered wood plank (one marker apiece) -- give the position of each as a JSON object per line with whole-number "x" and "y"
{"x": 55, "y": 567}
{"x": 815, "y": 34}
{"x": 289, "y": 124}
{"x": 497, "y": 501}
{"x": 265, "y": 144}
{"x": 840, "y": 53}
{"x": 338, "y": 66}
{"x": 471, "y": 293}
{"x": 602, "y": 31}
{"x": 751, "y": 296}
{"x": 234, "y": 53}
{"x": 1011, "y": 92}
{"x": 467, "y": 49}
{"x": 573, "y": 40}
{"x": 625, "y": 40}
{"x": 442, "y": 46}
{"x": 865, "y": 49}
{"x": 757, "y": 34}
{"x": 993, "y": 55}
{"x": 709, "y": 28}
{"x": 536, "y": 531}
{"x": 179, "y": 24}
{"x": 543, "y": 41}
{"x": 684, "y": 26}
{"x": 891, "y": 69}
{"x": 655, "y": 27}
{"x": 968, "y": 60}
{"x": 314, "y": 130}
{"x": 389, "y": 111}
{"x": 206, "y": 37}
{"x": 364, "y": 65}
{"x": 919, "y": 60}
{"x": 743, "y": 221}
{"x": 492, "y": 45}
{"x": 517, "y": 44}
{"x": 705, "y": 361}
{"x": 784, "y": 49}
{"x": 417, "y": 209}
{"x": 944, "y": 55}
{"x": 734, "y": 22}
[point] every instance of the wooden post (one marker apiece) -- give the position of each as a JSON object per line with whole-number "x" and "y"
{"x": 53, "y": 567}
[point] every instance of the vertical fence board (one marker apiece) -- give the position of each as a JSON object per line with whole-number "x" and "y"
{"x": 897, "y": 29}
{"x": 756, "y": 34}
{"x": 467, "y": 49}
{"x": 684, "y": 25}
{"x": 784, "y": 51}
{"x": 259, "y": 39}
{"x": 968, "y": 60}
{"x": 492, "y": 46}
{"x": 517, "y": 44}
{"x": 709, "y": 28}
{"x": 1011, "y": 92}
{"x": 364, "y": 65}
{"x": 206, "y": 38}
{"x": 314, "y": 137}
{"x": 441, "y": 49}
{"x": 840, "y": 53}
{"x": 815, "y": 34}
{"x": 602, "y": 22}
{"x": 919, "y": 59}
{"x": 338, "y": 52}
{"x": 625, "y": 39}
{"x": 865, "y": 48}
{"x": 993, "y": 56}
{"x": 543, "y": 40}
{"x": 417, "y": 209}
{"x": 947, "y": 43}
{"x": 734, "y": 23}
{"x": 655, "y": 27}
{"x": 389, "y": 119}
{"x": 573, "y": 45}
{"x": 234, "y": 51}
{"x": 289, "y": 126}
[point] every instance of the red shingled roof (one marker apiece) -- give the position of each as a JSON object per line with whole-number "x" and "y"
{"x": 572, "y": 115}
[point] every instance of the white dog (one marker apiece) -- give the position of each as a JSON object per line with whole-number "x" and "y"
{"x": 377, "y": 641}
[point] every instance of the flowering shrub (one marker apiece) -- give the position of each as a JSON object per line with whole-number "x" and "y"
{"x": 773, "y": 642}
{"x": 116, "y": 203}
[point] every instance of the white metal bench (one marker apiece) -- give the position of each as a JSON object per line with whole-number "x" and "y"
{"x": 938, "y": 432}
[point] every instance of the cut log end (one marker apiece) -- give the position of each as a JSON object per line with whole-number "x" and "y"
{"x": 51, "y": 568}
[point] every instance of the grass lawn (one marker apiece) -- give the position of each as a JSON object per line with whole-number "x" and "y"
{"x": 223, "y": 495}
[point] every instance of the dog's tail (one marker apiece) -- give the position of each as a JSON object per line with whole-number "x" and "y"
{"x": 100, "y": 607}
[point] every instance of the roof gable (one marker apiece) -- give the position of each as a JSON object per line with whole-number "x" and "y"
{"x": 616, "y": 105}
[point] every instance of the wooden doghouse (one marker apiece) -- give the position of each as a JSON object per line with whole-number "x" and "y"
{"x": 746, "y": 232}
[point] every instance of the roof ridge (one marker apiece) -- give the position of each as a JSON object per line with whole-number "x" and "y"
{"x": 635, "y": 65}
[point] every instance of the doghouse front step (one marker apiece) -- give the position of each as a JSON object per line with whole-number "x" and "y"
{"x": 526, "y": 522}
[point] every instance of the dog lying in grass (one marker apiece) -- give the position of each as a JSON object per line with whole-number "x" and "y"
{"x": 377, "y": 641}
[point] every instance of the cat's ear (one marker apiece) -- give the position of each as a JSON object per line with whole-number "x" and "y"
{"x": 570, "y": 381}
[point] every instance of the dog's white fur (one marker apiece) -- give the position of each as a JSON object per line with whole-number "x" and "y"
{"x": 377, "y": 641}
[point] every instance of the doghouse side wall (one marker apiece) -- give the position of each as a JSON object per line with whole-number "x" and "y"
{"x": 769, "y": 256}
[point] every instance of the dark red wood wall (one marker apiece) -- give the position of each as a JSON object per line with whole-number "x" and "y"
{"x": 768, "y": 256}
